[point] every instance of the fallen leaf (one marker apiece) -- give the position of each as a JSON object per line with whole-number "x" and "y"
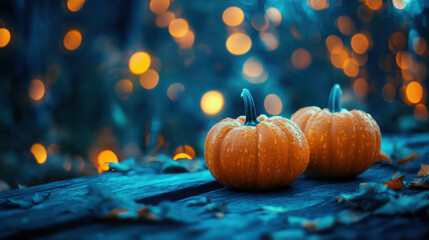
{"x": 396, "y": 181}
{"x": 424, "y": 170}
{"x": 384, "y": 157}
{"x": 421, "y": 182}
{"x": 407, "y": 159}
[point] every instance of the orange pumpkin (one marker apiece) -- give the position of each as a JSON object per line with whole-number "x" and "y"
{"x": 256, "y": 153}
{"x": 342, "y": 143}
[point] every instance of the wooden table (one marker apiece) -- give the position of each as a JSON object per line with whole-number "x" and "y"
{"x": 68, "y": 212}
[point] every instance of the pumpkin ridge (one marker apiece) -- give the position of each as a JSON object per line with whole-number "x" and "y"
{"x": 329, "y": 145}
{"x": 374, "y": 134}
{"x": 286, "y": 137}
{"x": 275, "y": 136}
{"x": 358, "y": 154}
{"x": 223, "y": 165}
{"x": 355, "y": 148}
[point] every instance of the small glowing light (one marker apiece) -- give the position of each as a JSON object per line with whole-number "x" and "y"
{"x": 333, "y": 42}
{"x": 238, "y": 43}
{"x": 273, "y": 104}
{"x": 318, "y": 4}
{"x": 178, "y": 27}
{"x": 149, "y": 79}
{"x": 186, "y": 41}
{"x": 106, "y": 157}
{"x": 414, "y": 92}
{"x": 419, "y": 45}
{"x": 374, "y": 4}
{"x": 233, "y": 16}
{"x": 339, "y": 57}
{"x": 75, "y": 5}
{"x": 36, "y": 90}
{"x": 67, "y": 165}
{"x": 139, "y": 63}
{"x": 388, "y": 92}
{"x": 174, "y": 90}
{"x": 253, "y": 67}
{"x": 399, "y": 4}
{"x": 259, "y": 22}
{"x": 360, "y": 87}
{"x": 270, "y": 41}
{"x": 397, "y": 42}
{"x": 359, "y": 59}
{"x": 404, "y": 60}
{"x": 123, "y": 89}
{"x": 164, "y": 19}
{"x": 421, "y": 112}
{"x": 186, "y": 149}
{"x": 274, "y": 15}
{"x": 182, "y": 156}
{"x": 4, "y": 37}
{"x": 212, "y": 102}
{"x": 72, "y": 40}
{"x": 350, "y": 69}
{"x": 301, "y": 58}
{"x": 360, "y": 43}
{"x": 39, "y": 153}
{"x": 159, "y": 6}
{"x": 345, "y": 25}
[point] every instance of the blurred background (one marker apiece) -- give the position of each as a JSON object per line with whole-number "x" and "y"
{"x": 84, "y": 83}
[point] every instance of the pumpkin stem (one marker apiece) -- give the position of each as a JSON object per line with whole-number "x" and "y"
{"x": 249, "y": 108}
{"x": 334, "y": 99}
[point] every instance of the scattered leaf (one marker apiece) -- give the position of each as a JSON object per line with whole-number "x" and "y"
{"x": 421, "y": 182}
{"x": 407, "y": 159}
{"x": 424, "y": 170}
{"x": 396, "y": 181}
{"x": 384, "y": 157}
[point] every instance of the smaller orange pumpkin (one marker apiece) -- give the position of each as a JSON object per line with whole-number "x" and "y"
{"x": 342, "y": 143}
{"x": 256, "y": 153}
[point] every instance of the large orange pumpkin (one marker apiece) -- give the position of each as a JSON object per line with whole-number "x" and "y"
{"x": 256, "y": 153}
{"x": 342, "y": 143}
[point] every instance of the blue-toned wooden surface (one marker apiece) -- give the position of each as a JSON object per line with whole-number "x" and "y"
{"x": 66, "y": 215}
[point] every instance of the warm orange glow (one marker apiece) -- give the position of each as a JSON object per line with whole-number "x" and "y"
{"x": 238, "y": 43}
{"x": 333, "y": 42}
{"x": 164, "y": 19}
{"x": 159, "y": 6}
{"x": 75, "y": 5}
{"x": 301, "y": 58}
{"x": 270, "y": 41}
{"x": 273, "y": 104}
{"x": 149, "y": 79}
{"x": 399, "y": 4}
{"x": 360, "y": 43}
{"x": 318, "y": 4}
{"x": 188, "y": 150}
{"x": 339, "y": 57}
{"x": 274, "y": 15}
{"x": 259, "y": 22}
{"x": 4, "y": 37}
{"x": 233, "y": 16}
{"x": 178, "y": 27}
{"x": 360, "y": 87}
{"x": 419, "y": 45}
{"x": 345, "y": 25}
{"x": 397, "y": 42}
{"x": 407, "y": 74}
{"x": 67, "y": 165}
{"x": 404, "y": 60}
{"x": 388, "y": 92}
{"x": 72, "y": 40}
{"x": 123, "y": 89}
{"x": 182, "y": 156}
{"x": 350, "y": 69}
{"x": 421, "y": 112}
{"x": 36, "y": 90}
{"x": 212, "y": 102}
{"x": 186, "y": 41}
{"x": 414, "y": 92}
{"x": 374, "y": 4}
{"x": 174, "y": 90}
{"x": 359, "y": 59}
{"x": 257, "y": 80}
{"x": 253, "y": 67}
{"x": 39, "y": 153}
{"x": 104, "y": 158}
{"x": 139, "y": 63}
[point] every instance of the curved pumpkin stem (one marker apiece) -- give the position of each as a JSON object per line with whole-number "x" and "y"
{"x": 249, "y": 108}
{"x": 334, "y": 99}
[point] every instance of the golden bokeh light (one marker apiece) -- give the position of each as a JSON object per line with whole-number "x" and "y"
{"x": 397, "y": 42}
{"x": 182, "y": 156}
{"x": 399, "y": 4}
{"x": 360, "y": 87}
{"x": 301, "y": 58}
{"x": 318, "y": 4}
{"x": 164, "y": 19}
{"x": 421, "y": 112}
{"x": 39, "y": 152}
{"x": 174, "y": 90}
{"x": 149, "y": 79}
{"x": 186, "y": 149}
{"x": 350, "y": 69}
{"x": 186, "y": 41}
{"x": 4, "y": 37}
{"x": 274, "y": 15}
{"x": 359, "y": 43}
{"x": 359, "y": 59}
{"x": 104, "y": 158}
{"x": 404, "y": 60}
{"x": 159, "y": 6}
{"x": 75, "y": 5}
{"x": 414, "y": 92}
{"x": 259, "y": 22}
{"x": 178, "y": 27}
{"x": 253, "y": 67}
{"x": 36, "y": 90}
{"x": 339, "y": 57}
{"x": 419, "y": 45}
{"x": 345, "y": 25}
{"x": 124, "y": 89}
{"x": 388, "y": 92}
{"x": 333, "y": 42}
{"x": 273, "y": 104}
{"x": 72, "y": 40}
{"x": 238, "y": 43}
{"x": 212, "y": 102}
{"x": 270, "y": 41}
{"x": 139, "y": 63}
{"x": 374, "y": 4}
{"x": 233, "y": 16}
